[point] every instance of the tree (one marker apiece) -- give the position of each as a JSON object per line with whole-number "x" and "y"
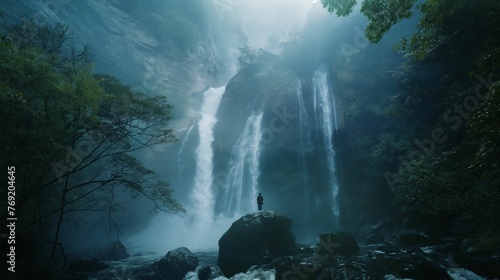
{"x": 341, "y": 7}
{"x": 383, "y": 14}
{"x": 459, "y": 176}
{"x": 72, "y": 135}
{"x": 54, "y": 40}
{"x": 449, "y": 85}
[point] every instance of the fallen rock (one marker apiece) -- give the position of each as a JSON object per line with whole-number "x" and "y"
{"x": 175, "y": 264}
{"x": 256, "y": 238}
{"x": 303, "y": 249}
{"x": 375, "y": 233}
{"x": 207, "y": 272}
{"x": 337, "y": 242}
{"x": 371, "y": 228}
{"x": 115, "y": 251}
{"x": 373, "y": 239}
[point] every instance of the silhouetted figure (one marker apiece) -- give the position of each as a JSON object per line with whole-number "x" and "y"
{"x": 260, "y": 201}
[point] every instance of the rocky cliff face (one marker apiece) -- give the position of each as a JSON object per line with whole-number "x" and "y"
{"x": 125, "y": 45}
{"x": 275, "y": 136}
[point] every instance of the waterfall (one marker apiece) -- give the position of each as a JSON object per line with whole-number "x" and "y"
{"x": 326, "y": 121}
{"x": 242, "y": 185}
{"x": 316, "y": 127}
{"x": 202, "y": 194}
{"x": 305, "y": 135}
{"x": 186, "y": 137}
{"x": 305, "y": 145}
{"x": 181, "y": 150}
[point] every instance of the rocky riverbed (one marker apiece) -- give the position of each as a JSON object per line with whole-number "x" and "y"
{"x": 262, "y": 246}
{"x": 380, "y": 261}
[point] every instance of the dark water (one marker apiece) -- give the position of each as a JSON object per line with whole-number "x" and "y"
{"x": 378, "y": 261}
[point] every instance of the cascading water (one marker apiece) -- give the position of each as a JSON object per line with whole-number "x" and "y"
{"x": 202, "y": 194}
{"x": 326, "y": 121}
{"x": 200, "y": 162}
{"x": 181, "y": 150}
{"x": 305, "y": 144}
{"x": 242, "y": 184}
{"x": 318, "y": 188}
{"x": 305, "y": 134}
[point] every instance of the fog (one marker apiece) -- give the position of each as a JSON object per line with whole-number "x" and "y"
{"x": 232, "y": 148}
{"x": 265, "y": 24}
{"x": 315, "y": 37}
{"x": 259, "y": 24}
{"x": 156, "y": 125}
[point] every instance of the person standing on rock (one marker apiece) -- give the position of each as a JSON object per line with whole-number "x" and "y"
{"x": 260, "y": 201}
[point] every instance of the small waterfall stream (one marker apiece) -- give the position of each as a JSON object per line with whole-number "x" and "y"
{"x": 242, "y": 185}
{"x": 305, "y": 146}
{"x": 326, "y": 122}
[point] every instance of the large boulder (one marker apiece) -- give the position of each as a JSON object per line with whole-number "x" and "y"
{"x": 337, "y": 242}
{"x": 175, "y": 264}
{"x": 256, "y": 238}
{"x": 205, "y": 272}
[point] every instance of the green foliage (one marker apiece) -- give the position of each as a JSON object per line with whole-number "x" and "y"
{"x": 435, "y": 185}
{"x": 340, "y": 7}
{"x": 448, "y": 62}
{"x": 31, "y": 123}
{"x": 461, "y": 175}
{"x": 71, "y": 134}
{"x": 441, "y": 28}
{"x": 383, "y": 14}
{"x": 483, "y": 128}
{"x": 388, "y": 146}
{"x": 56, "y": 41}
